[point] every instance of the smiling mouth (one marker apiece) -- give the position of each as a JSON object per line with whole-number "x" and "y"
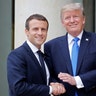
{"x": 40, "y": 38}
{"x": 73, "y": 26}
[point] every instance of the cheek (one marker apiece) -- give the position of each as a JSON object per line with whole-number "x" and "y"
{"x": 64, "y": 23}
{"x": 45, "y": 35}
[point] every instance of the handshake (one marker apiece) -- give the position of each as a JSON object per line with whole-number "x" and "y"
{"x": 57, "y": 88}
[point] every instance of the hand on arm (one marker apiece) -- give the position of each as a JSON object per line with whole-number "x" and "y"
{"x": 67, "y": 78}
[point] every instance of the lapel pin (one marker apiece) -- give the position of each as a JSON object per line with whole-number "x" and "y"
{"x": 87, "y": 39}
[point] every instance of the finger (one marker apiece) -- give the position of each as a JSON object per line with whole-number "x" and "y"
{"x": 61, "y": 89}
{"x": 52, "y": 83}
{"x": 62, "y": 75}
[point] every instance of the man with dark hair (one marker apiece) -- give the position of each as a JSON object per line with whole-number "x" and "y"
{"x": 27, "y": 74}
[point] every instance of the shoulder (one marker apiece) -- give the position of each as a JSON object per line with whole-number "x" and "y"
{"x": 91, "y": 35}
{"x": 56, "y": 40}
{"x": 20, "y": 51}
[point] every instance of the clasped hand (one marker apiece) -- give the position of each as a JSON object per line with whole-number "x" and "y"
{"x": 57, "y": 88}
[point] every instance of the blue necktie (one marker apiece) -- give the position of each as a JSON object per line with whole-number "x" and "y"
{"x": 74, "y": 55}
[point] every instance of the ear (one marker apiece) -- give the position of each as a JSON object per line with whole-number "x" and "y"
{"x": 26, "y": 32}
{"x": 84, "y": 20}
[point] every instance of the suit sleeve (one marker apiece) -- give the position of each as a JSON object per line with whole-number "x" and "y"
{"x": 17, "y": 78}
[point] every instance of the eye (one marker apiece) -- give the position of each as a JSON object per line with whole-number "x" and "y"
{"x": 35, "y": 29}
{"x": 66, "y": 18}
{"x": 44, "y": 29}
{"x": 75, "y": 17}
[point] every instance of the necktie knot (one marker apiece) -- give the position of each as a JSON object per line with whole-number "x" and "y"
{"x": 40, "y": 53}
{"x": 76, "y": 39}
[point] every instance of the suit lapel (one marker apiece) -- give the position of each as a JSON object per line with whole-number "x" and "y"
{"x": 36, "y": 63}
{"x": 65, "y": 53}
{"x": 83, "y": 47}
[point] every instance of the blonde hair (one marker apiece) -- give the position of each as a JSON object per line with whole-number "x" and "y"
{"x": 72, "y": 6}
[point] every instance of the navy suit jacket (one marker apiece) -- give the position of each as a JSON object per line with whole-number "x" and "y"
{"x": 58, "y": 54}
{"x": 25, "y": 76}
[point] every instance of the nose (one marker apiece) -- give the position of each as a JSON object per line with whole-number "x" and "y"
{"x": 39, "y": 31}
{"x": 72, "y": 19}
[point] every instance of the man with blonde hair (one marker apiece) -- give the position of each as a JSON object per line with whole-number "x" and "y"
{"x": 73, "y": 56}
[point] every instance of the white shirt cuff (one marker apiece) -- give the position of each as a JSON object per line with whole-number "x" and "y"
{"x": 50, "y": 91}
{"x": 79, "y": 83}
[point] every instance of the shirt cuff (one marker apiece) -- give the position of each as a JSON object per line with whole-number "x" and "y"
{"x": 50, "y": 90}
{"x": 79, "y": 83}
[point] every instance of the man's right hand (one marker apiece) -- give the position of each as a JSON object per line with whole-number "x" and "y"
{"x": 57, "y": 88}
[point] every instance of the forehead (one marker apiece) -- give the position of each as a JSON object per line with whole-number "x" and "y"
{"x": 72, "y": 12}
{"x": 37, "y": 22}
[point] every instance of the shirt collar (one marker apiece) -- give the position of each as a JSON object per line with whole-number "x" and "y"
{"x": 70, "y": 37}
{"x": 33, "y": 48}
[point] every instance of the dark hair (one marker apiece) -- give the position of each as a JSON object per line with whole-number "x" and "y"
{"x": 35, "y": 16}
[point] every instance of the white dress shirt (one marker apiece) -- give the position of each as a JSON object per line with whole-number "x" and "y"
{"x": 34, "y": 50}
{"x": 79, "y": 83}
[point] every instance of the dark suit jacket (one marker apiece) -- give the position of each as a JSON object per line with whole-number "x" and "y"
{"x": 58, "y": 54}
{"x": 25, "y": 76}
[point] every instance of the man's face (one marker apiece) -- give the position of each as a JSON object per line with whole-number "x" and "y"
{"x": 37, "y": 32}
{"x": 73, "y": 21}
